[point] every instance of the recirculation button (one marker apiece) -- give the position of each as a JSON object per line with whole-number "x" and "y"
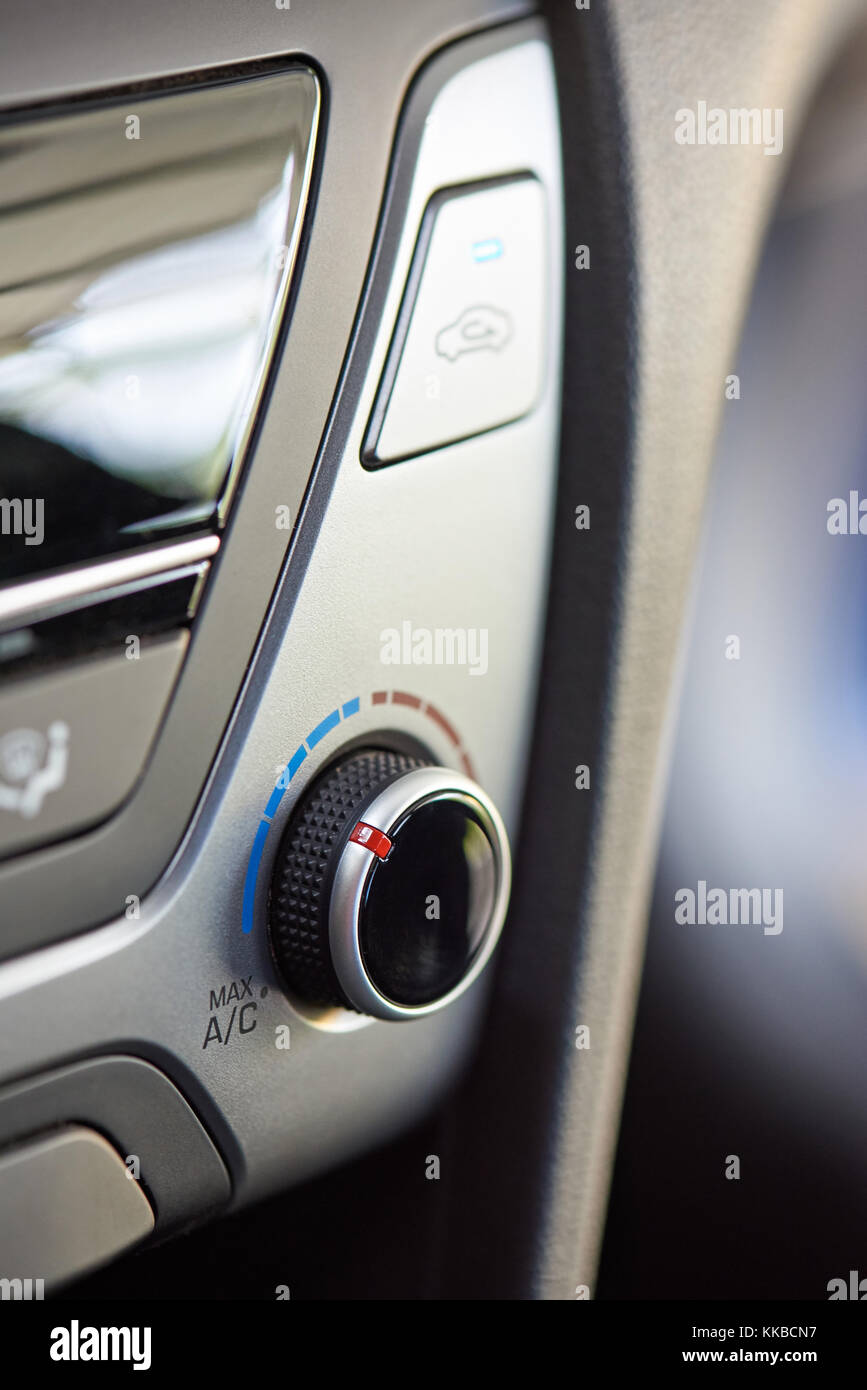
{"x": 468, "y": 352}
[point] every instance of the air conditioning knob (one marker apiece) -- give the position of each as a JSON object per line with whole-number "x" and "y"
{"x": 390, "y": 886}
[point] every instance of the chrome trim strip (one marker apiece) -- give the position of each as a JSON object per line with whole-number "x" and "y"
{"x": 21, "y": 603}
{"x": 74, "y": 603}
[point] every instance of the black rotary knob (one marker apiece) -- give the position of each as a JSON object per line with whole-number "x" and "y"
{"x": 390, "y": 886}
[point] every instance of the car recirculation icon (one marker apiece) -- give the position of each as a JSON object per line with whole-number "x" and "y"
{"x": 478, "y": 327}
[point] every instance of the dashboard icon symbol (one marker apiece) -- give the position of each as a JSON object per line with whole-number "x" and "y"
{"x": 32, "y": 765}
{"x": 477, "y": 328}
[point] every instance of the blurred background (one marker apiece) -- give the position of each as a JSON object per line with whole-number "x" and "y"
{"x": 747, "y": 1043}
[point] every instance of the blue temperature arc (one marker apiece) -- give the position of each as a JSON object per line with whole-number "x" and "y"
{"x": 342, "y": 713}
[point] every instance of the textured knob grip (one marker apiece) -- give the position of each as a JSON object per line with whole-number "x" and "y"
{"x": 305, "y": 865}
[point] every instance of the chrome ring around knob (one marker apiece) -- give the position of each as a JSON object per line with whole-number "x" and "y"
{"x": 388, "y": 810}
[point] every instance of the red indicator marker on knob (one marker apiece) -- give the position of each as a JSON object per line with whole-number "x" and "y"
{"x": 371, "y": 838}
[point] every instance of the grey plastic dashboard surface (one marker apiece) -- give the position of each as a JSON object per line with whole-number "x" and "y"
{"x": 189, "y": 983}
{"x": 368, "y": 54}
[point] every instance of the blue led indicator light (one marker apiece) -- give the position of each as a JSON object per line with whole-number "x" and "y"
{"x": 488, "y": 250}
